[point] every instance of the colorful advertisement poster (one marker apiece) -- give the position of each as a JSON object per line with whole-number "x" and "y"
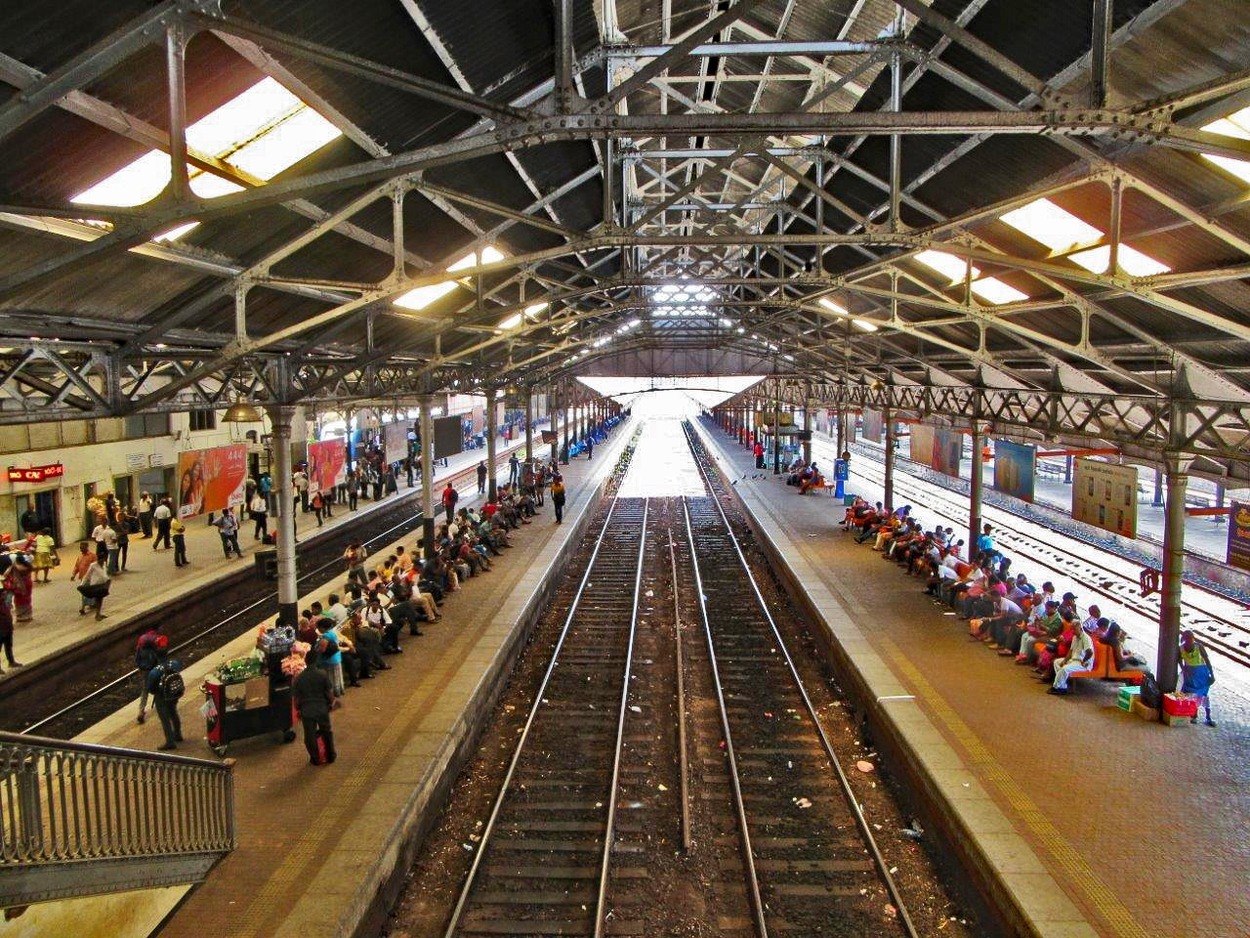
{"x": 1105, "y": 495}
{"x": 395, "y": 435}
{"x": 921, "y": 438}
{"x": 1015, "y": 467}
{"x": 1239, "y": 536}
{"x": 874, "y": 425}
{"x": 327, "y": 464}
{"x": 211, "y": 479}
{"x": 948, "y": 447}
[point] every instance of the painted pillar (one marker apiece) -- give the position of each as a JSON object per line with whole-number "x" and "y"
{"x": 492, "y": 431}
{"x": 807, "y": 428}
{"x": 529, "y": 423}
{"x": 427, "y": 473}
{"x": 1173, "y": 570}
{"x": 974, "y": 489}
{"x": 1157, "y": 501}
{"x": 564, "y": 399}
{"x": 280, "y": 416}
{"x": 888, "y": 497}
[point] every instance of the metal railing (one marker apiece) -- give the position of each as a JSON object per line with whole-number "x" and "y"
{"x": 78, "y": 819}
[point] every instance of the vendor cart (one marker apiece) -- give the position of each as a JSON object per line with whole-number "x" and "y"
{"x": 245, "y": 701}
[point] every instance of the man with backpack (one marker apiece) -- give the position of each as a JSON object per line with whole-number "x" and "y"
{"x": 166, "y": 686}
{"x": 148, "y": 650}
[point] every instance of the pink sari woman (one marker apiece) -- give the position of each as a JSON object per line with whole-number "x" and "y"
{"x": 20, "y": 582}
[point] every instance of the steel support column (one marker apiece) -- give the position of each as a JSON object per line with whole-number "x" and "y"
{"x": 427, "y": 474}
{"x": 807, "y": 427}
{"x": 529, "y": 424}
{"x": 975, "y": 477}
{"x": 1173, "y": 571}
{"x": 492, "y": 434}
{"x": 888, "y": 494}
{"x": 280, "y": 418}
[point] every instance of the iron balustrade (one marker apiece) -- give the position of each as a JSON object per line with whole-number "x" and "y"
{"x": 77, "y": 819}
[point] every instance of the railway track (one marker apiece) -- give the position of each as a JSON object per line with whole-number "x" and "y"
{"x": 559, "y": 795}
{"x": 63, "y": 694}
{"x": 808, "y": 857}
{"x": 1097, "y": 572}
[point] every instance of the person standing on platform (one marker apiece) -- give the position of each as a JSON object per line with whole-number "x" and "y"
{"x": 353, "y": 490}
{"x": 514, "y": 469}
{"x": 481, "y": 477}
{"x": 145, "y": 514}
{"x": 450, "y": 497}
{"x": 557, "y": 496}
{"x": 758, "y": 451}
{"x": 228, "y": 528}
{"x": 180, "y": 542}
{"x": 1197, "y": 675}
{"x": 94, "y": 586}
{"x": 45, "y": 554}
{"x": 590, "y": 448}
{"x": 166, "y": 686}
{"x": 82, "y": 562}
{"x": 260, "y": 514}
{"x": 314, "y": 698}
{"x": 6, "y": 632}
{"x": 123, "y": 544}
{"x": 300, "y": 481}
{"x": 162, "y": 516}
{"x": 317, "y": 504}
{"x": 148, "y": 651}
{"x": 106, "y": 544}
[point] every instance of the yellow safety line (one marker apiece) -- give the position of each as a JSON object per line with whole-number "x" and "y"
{"x": 1098, "y": 893}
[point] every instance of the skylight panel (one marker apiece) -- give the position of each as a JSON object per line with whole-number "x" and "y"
{"x": 1132, "y": 262}
{"x": 1048, "y": 224}
{"x": 242, "y": 118}
{"x": 1235, "y": 125}
{"x": 210, "y": 186}
{"x": 133, "y": 184}
{"x": 993, "y": 290}
{"x": 948, "y": 265}
{"x": 299, "y": 135}
{"x": 173, "y": 234}
{"x": 511, "y": 322}
{"x": 835, "y": 308}
{"x": 490, "y": 255}
{"x": 863, "y": 325}
{"x": 422, "y": 297}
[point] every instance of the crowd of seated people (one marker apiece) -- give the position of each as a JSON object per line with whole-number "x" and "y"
{"x": 805, "y": 475}
{"x": 1005, "y": 612}
{"x": 360, "y": 624}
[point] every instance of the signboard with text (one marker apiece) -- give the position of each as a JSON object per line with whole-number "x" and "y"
{"x": 327, "y": 464}
{"x": 36, "y": 473}
{"x": 1239, "y": 535}
{"x": 1105, "y": 495}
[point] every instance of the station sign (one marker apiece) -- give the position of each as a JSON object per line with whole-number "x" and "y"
{"x": 36, "y": 473}
{"x": 1239, "y": 536}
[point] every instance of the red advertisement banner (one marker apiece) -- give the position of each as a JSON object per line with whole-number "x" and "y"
{"x": 327, "y": 464}
{"x": 211, "y": 479}
{"x": 36, "y": 473}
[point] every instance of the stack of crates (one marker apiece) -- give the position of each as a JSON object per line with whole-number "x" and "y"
{"x": 1126, "y": 697}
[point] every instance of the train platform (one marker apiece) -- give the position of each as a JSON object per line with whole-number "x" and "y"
{"x": 1080, "y": 818}
{"x": 151, "y": 580}
{"x": 317, "y": 847}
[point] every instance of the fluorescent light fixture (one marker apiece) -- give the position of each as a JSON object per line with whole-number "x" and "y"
{"x": 1132, "y": 262}
{"x": 836, "y": 308}
{"x": 741, "y": 329}
{"x": 948, "y": 265}
{"x": 1235, "y": 125}
{"x": 993, "y": 290}
{"x": 1048, "y": 224}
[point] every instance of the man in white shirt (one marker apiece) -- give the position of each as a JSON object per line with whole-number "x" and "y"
{"x": 162, "y": 515}
{"x": 1080, "y": 658}
{"x": 336, "y": 610}
{"x": 300, "y": 482}
{"x": 145, "y": 514}
{"x": 106, "y": 545}
{"x": 1090, "y": 625}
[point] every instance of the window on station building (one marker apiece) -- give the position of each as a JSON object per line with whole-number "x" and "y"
{"x": 258, "y": 134}
{"x": 421, "y": 297}
{"x": 141, "y": 425}
{"x": 203, "y": 420}
{"x": 1234, "y": 125}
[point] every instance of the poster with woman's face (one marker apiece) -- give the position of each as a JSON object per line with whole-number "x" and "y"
{"x": 211, "y": 479}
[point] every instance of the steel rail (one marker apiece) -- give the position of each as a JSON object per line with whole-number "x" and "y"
{"x": 860, "y": 821}
{"x": 223, "y": 623}
{"x": 620, "y": 731}
{"x": 684, "y": 762}
{"x": 748, "y": 854}
{"x": 1215, "y": 643}
{"x": 497, "y": 807}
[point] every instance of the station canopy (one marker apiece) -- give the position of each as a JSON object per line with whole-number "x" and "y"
{"x": 1032, "y": 213}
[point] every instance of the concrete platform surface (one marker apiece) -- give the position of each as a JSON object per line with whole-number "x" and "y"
{"x": 1093, "y": 821}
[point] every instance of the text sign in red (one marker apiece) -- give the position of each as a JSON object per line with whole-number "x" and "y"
{"x": 36, "y": 473}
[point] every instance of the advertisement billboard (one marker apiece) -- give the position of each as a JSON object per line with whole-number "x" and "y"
{"x": 211, "y": 479}
{"x": 1105, "y": 495}
{"x": 1015, "y": 467}
{"x": 327, "y": 464}
{"x": 395, "y": 437}
{"x": 948, "y": 446}
{"x": 874, "y": 425}
{"x": 448, "y": 437}
{"x": 1239, "y": 536}
{"x": 921, "y": 438}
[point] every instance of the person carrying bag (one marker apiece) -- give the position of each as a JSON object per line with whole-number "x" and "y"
{"x": 94, "y": 587}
